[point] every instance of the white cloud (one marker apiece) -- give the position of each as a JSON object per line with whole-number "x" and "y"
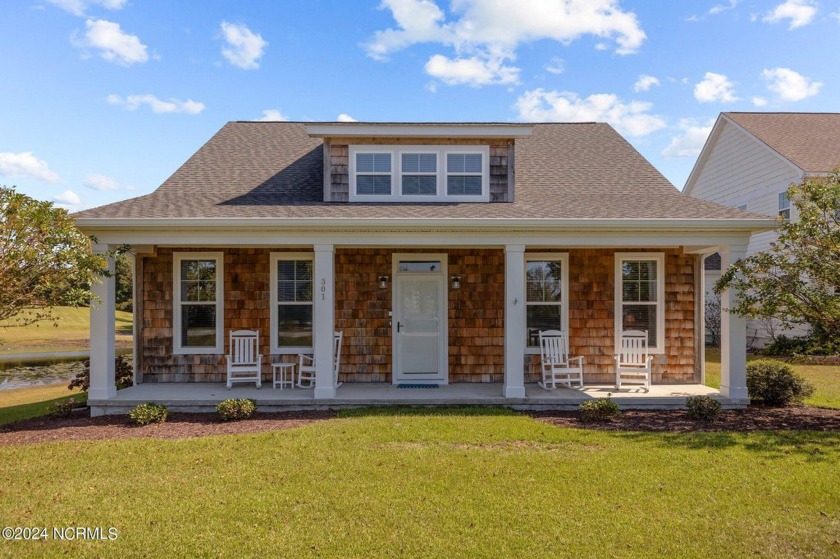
{"x": 645, "y": 82}
{"x": 475, "y": 71}
{"x": 101, "y": 182}
{"x": 344, "y": 117}
{"x": 244, "y": 48}
{"x": 718, "y": 8}
{"x": 632, "y": 118}
{"x": 690, "y": 141}
{"x": 714, "y": 87}
{"x": 759, "y": 101}
{"x": 67, "y": 198}
{"x": 114, "y": 45}
{"x": 25, "y": 164}
{"x": 485, "y": 34}
{"x": 799, "y": 12}
{"x": 78, "y": 7}
{"x": 133, "y": 102}
{"x": 556, "y": 66}
{"x": 271, "y": 115}
{"x": 790, "y": 85}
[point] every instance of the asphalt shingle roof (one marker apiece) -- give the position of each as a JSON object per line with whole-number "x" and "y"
{"x": 811, "y": 141}
{"x": 274, "y": 170}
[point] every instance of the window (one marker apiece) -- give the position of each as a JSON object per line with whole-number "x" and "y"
{"x": 419, "y": 173}
{"x": 199, "y": 303}
{"x": 291, "y": 302}
{"x": 784, "y": 206}
{"x": 546, "y": 295}
{"x": 640, "y": 295}
{"x": 463, "y": 174}
{"x": 373, "y": 173}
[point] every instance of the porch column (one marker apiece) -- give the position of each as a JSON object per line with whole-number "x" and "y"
{"x": 102, "y": 332}
{"x": 324, "y": 321}
{"x": 514, "y": 321}
{"x": 733, "y": 334}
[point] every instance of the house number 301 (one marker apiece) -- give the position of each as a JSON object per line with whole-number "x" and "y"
{"x": 323, "y": 289}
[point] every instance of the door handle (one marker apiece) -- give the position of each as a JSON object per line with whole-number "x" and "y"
{"x": 399, "y": 325}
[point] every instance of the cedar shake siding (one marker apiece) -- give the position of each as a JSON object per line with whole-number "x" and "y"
{"x": 338, "y": 187}
{"x": 476, "y": 315}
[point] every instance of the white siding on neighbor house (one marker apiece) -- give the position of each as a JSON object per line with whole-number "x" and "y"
{"x": 738, "y": 171}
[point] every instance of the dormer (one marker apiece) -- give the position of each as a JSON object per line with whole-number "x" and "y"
{"x": 415, "y": 163}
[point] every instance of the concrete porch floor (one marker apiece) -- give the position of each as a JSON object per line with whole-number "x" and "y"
{"x": 203, "y": 397}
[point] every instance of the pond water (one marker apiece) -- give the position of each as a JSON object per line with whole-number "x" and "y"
{"x": 35, "y": 375}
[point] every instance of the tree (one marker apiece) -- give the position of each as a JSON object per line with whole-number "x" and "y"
{"x": 712, "y": 319}
{"x": 44, "y": 260}
{"x": 797, "y": 280}
{"x": 124, "y": 284}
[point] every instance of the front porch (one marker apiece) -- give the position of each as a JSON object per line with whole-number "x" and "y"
{"x": 203, "y": 397}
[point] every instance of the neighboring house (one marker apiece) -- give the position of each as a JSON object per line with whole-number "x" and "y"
{"x": 749, "y": 161}
{"x": 439, "y": 250}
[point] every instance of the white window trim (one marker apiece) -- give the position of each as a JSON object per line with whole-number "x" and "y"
{"x": 563, "y": 258}
{"x": 659, "y": 257}
{"x": 274, "y": 258}
{"x": 396, "y": 152}
{"x": 786, "y": 208}
{"x": 177, "y": 348}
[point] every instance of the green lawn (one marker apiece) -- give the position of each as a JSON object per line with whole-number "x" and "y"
{"x": 442, "y": 483}
{"x": 24, "y": 403}
{"x": 72, "y": 333}
{"x": 825, "y": 378}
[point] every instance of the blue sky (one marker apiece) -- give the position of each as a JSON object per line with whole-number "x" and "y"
{"x": 102, "y": 100}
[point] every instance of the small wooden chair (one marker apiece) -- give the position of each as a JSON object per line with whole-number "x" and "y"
{"x": 555, "y": 363}
{"x": 306, "y": 364}
{"x": 633, "y": 362}
{"x": 243, "y": 359}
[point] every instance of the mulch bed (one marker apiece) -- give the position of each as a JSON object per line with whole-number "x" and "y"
{"x": 189, "y": 425}
{"x": 80, "y": 426}
{"x": 754, "y": 418}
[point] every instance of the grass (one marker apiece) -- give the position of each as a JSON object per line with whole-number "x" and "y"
{"x": 825, "y": 378}
{"x": 26, "y": 403}
{"x": 72, "y": 333}
{"x": 442, "y": 483}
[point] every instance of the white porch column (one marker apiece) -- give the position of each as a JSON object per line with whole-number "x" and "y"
{"x": 102, "y": 335}
{"x": 324, "y": 320}
{"x": 514, "y": 321}
{"x": 733, "y": 334}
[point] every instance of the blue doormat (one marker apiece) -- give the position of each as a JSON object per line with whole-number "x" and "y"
{"x": 417, "y": 386}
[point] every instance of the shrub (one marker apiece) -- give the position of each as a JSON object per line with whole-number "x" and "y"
{"x": 144, "y": 414}
{"x": 784, "y": 346}
{"x": 774, "y": 383}
{"x": 598, "y": 410}
{"x": 122, "y": 372}
{"x": 702, "y": 408}
{"x": 61, "y": 409}
{"x": 234, "y": 409}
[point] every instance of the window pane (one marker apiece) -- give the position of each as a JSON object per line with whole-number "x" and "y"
{"x": 640, "y": 317}
{"x": 647, "y": 291}
{"x": 420, "y": 266}
{"x": 647, "y": 269}
{"x": 198, "y": 325}
{"x": 463, "y": 163}
{"x": 189, "y": 291}
{"x": 463, "y": 185}
{"x": 630, "y": 270}
{"x": 373, "y": 162}
{"x": 373, "y": 184}
{"x": 303, "y": 291}
{"x": 286, "y": 270}
{"x": 543, "y": 281}
{"x": 192, "y": 270}
{"x": 542, "y": 317}
{"x": 419, "y": 163}
{"x": 294, "y": 325}
{"x": 207, "y": 291}
{"x": 423, "y": 184}
{"x": 286, "y": 291}
{"x": 472, "y": 163}
{"x": 303, "y": 270}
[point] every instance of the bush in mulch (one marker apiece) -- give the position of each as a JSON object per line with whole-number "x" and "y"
{"x": 61, "y": 409}
{"x": 594, "y": 411}
{"x": 148, "y": 413}
{"x": 234, "y": 409}
{"x": 773, "y": 383}
{"x": 702, "y": 408}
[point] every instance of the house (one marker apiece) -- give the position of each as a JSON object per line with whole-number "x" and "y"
{"x": 749, "y": 161}
{"x": 439, "y": 250}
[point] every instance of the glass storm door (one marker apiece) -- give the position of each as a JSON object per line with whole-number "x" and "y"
{"x": 420, "y": 324}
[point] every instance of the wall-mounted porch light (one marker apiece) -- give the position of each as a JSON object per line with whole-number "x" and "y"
{"x": 383, "y": 282}
{"x": 456, "y": 282}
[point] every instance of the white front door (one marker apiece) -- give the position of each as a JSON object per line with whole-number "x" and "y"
{"x": 420, "y": 320}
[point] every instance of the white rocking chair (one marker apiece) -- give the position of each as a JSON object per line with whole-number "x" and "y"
{"x": 243, "y": 359}
{"x": 633, "y": 362}
{"x": 306, "y": 364}
{"x": 555, "y": 363}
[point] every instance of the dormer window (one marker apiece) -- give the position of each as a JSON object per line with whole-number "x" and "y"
{"x": 419, "y": 173}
